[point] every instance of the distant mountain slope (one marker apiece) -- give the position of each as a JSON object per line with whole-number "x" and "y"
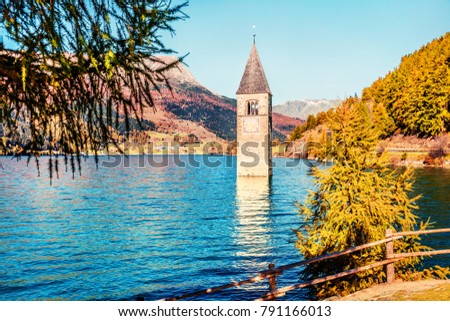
{"x": 283, "y": 125}
{"x": 305, "y": 107}
{"x": 188, "y": 107}
{"x": 192, "y": 108}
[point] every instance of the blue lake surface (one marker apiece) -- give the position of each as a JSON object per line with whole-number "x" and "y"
{"x": 120, "y": 232}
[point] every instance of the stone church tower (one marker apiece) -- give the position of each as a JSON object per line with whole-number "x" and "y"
{"x": 254, "y": 120}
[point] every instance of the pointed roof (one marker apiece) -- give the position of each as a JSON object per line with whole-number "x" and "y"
{"x": 254, "y": 80}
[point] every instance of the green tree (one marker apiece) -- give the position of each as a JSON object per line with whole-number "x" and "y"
{"x": 356, "y": 200}
{"x": 81, "y": 67}
{"x": 311, "y": 122}
{"x": 321, "y": 118}
{"x": 382, "y": 121}
{"x": 297, "y": 133}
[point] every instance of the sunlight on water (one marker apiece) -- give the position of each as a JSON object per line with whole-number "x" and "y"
{"x": 253, "y": 231}
{"x": 128, "y": 231}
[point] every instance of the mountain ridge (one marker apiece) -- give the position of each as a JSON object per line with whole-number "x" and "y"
{"x": 191, "y": 108}
{"x": 302, "y": 108}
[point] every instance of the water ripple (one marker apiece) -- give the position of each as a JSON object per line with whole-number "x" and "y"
{"x": 119, "y": 233}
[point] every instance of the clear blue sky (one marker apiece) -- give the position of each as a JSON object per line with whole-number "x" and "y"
{"x": 309, "y": 48}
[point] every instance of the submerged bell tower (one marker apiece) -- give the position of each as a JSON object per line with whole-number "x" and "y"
{"x": 254, "y": 120}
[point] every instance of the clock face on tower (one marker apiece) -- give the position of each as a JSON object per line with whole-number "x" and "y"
{"x": 250, "y": 125}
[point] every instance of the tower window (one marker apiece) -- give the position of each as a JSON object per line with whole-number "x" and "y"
{"x": 252, "y": 107}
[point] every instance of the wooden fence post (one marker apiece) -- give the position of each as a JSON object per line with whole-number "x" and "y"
{"x": 390, "y": 270}
{"x": 272, "y": 279}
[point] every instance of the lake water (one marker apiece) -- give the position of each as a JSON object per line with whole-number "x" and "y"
{"x": 120, "y": 232}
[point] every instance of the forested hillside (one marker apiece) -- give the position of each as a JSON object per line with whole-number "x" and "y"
{"x": 415, "y": 97}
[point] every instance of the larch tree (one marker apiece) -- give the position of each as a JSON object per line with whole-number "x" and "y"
{"x": 357, "y": 199}
{"x": 81, "y": 67}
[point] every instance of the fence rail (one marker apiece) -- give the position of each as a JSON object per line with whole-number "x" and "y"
{"x": 273, "y": 272}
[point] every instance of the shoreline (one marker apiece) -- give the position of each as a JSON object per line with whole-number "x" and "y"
{"x": 413, "y": 164}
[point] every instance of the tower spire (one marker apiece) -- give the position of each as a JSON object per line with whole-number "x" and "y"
{"x": 254, "y": 79}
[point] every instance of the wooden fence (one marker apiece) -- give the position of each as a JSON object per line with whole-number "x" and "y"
{"x": 273, "y": 272}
